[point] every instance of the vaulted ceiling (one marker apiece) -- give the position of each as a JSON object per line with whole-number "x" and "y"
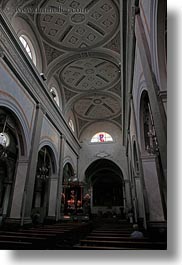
{"x": 82, "y": 52}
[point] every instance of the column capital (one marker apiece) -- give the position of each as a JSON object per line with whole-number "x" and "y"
{"x": 148, "y": 157}
{"x": 39, "y": 106}
{"x": 63, "y": 137}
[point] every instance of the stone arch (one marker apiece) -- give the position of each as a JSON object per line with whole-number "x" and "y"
{"x": 24, "y": 140}
{"x": 68, "y": 159}
{"x": 104, "y": 181}
{"x": 44, "y": 200}
{"x": 110, "y": 162}
{"x": 159, "y": 40}
{"x": 53, "y": 154}
{"x": 68, "y": 170}
{"x": 13, "y": 159}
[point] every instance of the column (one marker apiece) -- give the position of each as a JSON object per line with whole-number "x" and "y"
{"x": 152, "y": 187}
{"x": 60, "y": 177}
{"x": 52, "y": 197}
{"x": 124, "y": 199}
{"x": 139, "y": 196}
{"x": 128, "y": 194}
{"x": 18, "y": 193}
{"x": 140, "y": 183}
{"x": 31, "y": 174}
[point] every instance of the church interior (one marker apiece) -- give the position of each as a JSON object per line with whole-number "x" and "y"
{"x": 83, "y": 124}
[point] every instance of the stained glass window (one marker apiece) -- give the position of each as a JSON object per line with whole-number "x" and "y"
{"x": 101, "y": 137}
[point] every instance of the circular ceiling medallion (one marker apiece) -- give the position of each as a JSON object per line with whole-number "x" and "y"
{"x": 78, "y": 18}
{"x": 97, "y": 107}
{"x": 78, "y": 24}
{"x": 90, "y": 74}
{"x": 97, "y": 101}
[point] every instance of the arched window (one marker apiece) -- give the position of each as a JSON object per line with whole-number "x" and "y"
{"x": 54, "y": 94}
{"x": 71, "y": 125}
{"x": 101, "y": 137}
{"x": 27, "y": 44}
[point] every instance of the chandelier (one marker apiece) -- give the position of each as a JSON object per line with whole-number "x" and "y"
{"x": 43, "y": 171}
{"x": 4, "y": 142}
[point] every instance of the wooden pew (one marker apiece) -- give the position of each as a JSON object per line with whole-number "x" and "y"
{"x": 47, "y": 240}
{"x": 46, "y": 237}
{"x": 14, "y": 245}
{"x": 80, "y": 247}
{"x": 124, "y": 244}
{"x": 37, "y": 242}
{"x": 116, "y": 238}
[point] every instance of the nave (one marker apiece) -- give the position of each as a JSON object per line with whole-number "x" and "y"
{"x": 83, "y": 123}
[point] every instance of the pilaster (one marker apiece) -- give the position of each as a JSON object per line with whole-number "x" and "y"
{"x": 31, "y": 174}
{"x": 60, "y": 177}
{"x": 156, "y": 212}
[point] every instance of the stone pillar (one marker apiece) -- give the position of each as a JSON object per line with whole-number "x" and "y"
{"x": 6, "y": 198}
{"x": 52, "y": 197}
{"x": 139, "y": 179}
{"x": 124, "y": 198}
{"x": 153, "y": 191}
{"x": 128, "y": 194}
{"x": 18, "y": 194}
{"x": 156, "y": 103}
{"x": 60, "y": 177}
{"x": 134, "y": 199}
{"x": 132, "y": 181}
{"x": 139, "y": 196}
{"x": 31, "y": 174}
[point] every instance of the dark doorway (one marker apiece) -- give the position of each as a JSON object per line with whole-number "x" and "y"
{"x": 105, "y": 179}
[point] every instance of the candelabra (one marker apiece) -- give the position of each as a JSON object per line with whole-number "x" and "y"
{"x": 43, "y": 171}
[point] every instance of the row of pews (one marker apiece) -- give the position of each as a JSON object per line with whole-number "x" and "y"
{"x": 117, "y": 237}
{"x": 47, "y": 237}
{"x": 78, "y": 236}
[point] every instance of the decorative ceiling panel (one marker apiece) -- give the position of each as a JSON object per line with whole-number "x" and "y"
{"x": 97, "y": 107}
{"x": 78, "y": 25}
{"x": 90, "y": 74}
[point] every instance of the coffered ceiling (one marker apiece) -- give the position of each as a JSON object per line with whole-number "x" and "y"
{"x": 81, "y": 42}
{"x": 95, "y": 23}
